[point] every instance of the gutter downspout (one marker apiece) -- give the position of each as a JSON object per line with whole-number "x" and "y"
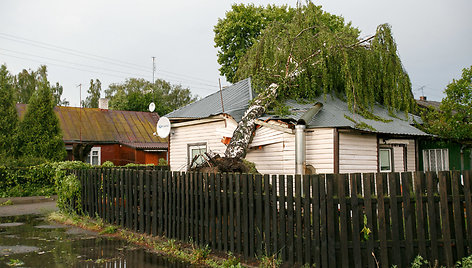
{"x": 300, "y": 138}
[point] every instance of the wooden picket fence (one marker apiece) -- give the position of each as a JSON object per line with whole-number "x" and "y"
{"x": 332, "y": 220}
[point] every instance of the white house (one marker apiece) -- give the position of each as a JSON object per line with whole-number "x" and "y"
{"x": 332, "y": 139}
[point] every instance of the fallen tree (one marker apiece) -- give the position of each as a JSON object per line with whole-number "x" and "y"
{"x": 318, "y": 53}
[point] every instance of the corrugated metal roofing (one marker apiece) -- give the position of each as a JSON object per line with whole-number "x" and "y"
{"x": 333, "y": 115}
{"x": 98, "y": 125}
{"x": 235, "y": 101}
{"x": 146, "y": 145}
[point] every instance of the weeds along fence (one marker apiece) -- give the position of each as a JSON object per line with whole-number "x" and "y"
{"x": 333, "y": 220}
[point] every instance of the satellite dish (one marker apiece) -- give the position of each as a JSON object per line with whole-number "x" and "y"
{"x": 163, "y": 127}
{"x": 152, "y": 107}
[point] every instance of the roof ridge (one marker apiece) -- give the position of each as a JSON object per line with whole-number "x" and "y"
{"x": 214, "y": 93}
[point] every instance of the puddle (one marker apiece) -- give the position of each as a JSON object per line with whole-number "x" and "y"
{"x": 11, "y": 224}
{"x": 38, "y": 243}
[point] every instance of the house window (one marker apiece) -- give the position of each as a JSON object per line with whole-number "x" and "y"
{"x": 385, "y": 160}
{"x": 196, "y": 151}
{"x": 94, "y": 157}
{"x": 436, "y": 159}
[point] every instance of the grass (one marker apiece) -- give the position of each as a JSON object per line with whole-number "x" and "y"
{"x": 187, "y": 252}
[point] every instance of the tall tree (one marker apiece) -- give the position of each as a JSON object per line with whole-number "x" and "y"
{"x": 39, "y": 131}
{"x": 94, "y": 92}
{"x": 136, "y": 95}
{"x": 454, "y": 118}
{"x": 318, "y": 53}
{"x": 240, "y": 28}
{"x": 8, "y": 114}
{"x": 28, "y": 82}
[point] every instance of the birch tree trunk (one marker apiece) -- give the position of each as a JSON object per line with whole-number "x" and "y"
{"x": 244, "y": 132}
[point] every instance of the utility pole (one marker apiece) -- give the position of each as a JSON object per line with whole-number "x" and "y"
{"x": 153, "y": 68}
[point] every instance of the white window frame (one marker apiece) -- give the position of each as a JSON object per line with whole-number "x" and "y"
{"x": 202, "y": 147}
{"x": 389, "y": 150}
{"x": 442, "y": 152}
{"x": 90, "y": 155}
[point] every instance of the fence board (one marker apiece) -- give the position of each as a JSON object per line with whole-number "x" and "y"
{"x": 340, "y": 181}
{"x": 274, "y": 231}
{"x": 250, "y": 215}
{"x": 355, "y": 180}
{"x": 331, "y": 220}
{"x": 317, "y": 208}
{"x": 468, "y": 208}
{"x": 267, "y": 209}
{"x": 307, "y": 214}
{"x": 421, "y": 213}
{"x": 238, "y": 226}
{"x": 207, "y": 209}
{"x": 433, "y": 235}
{"x": 231, "y": 180}
{"x": 154, "y": 200}
{"x": 258, "y": 216}
{"x": 245, "y": 218}
{"x": 282, "y": 216}
{"x": 445, "y": 224}
{"x": 382, "y": 219}
{"x": 458, "y": 210}
{"x": 369, "y": 191}
{"x": 396, "y": 221}
{"x": 212, "y": 211}
{"x": 408, "y": 216}
{"x": 224, "y": 221}
{"x": 290, "y": 219}
{"x": 147, "y": 203}
{"x": 218, "y": 211}
{"x": 298, "y": 220}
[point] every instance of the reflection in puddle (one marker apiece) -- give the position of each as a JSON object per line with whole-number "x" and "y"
{"x": 38, "y": 243}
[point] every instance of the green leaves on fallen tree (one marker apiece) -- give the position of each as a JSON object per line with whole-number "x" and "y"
{"x": 318, "y": 53}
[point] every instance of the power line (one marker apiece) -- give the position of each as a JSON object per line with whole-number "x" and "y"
{"x": 78, "y": 53}
{"x": 189, "y": 85}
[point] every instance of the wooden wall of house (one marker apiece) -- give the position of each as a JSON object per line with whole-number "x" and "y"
{"x": 272, "y": 151}
{"x": 320, "y": 149}
{"x": 357, "y": 153}
{"x": 210, "y": 134}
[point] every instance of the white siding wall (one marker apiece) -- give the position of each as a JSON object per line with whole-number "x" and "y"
{"x": 357, "y": 153}
{"x": 277, "y": 156}
{"x": 320, "y": 149}
{"x": 272, "y": 151}
{"x": 210, "y": 133}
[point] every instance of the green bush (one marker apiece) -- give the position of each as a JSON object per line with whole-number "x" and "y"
{"x": 43, "y": 179}
{"x": 108, "y": 164}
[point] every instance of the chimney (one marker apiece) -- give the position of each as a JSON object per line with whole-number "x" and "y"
{"x": 423, "y": 98}
{"x": 103, "y": 103}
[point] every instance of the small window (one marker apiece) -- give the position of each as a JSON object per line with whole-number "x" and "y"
{"x": 385, "y": 160}
{"x": 436, "y": 160}
{"x": 94, "y": 157}
{"x": 196, "y": 151}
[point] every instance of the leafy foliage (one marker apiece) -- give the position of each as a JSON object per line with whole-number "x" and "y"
{"x": 39, "y": 131}
{"x": 239, "y": 30}
{"x": 26, "y": 83}
{"x": 8, "y": 114}
{"x": 318, "y": 53}
{"x": 137, "y": 94}
{"x": 93, "y": 94}
{"x": 454, "y": 118}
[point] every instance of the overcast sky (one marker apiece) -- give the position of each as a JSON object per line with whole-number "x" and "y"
{"x": 115, "y": 40}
